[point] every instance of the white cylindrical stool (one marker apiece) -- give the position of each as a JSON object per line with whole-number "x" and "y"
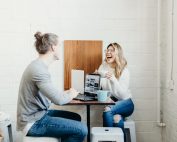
{"x": 107, "y": 134}
{"x": 130, "y": 124}
{"x": 6, "y": 127}
{"x": 40, "y": 139}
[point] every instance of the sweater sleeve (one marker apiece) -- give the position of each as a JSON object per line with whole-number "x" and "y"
{"x": 45, "y": 86}
{"x": 120, "y": 87}
{"x": 101, "y": 70}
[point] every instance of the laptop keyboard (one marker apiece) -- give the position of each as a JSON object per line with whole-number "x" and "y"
{"x": 82, "y": 97}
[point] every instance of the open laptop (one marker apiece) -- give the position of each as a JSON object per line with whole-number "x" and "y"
{"x": 91, "y": 86}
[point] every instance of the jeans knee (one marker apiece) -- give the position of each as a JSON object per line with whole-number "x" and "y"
{"x": 117, "y": 118}
{"x": 106, "y": 109}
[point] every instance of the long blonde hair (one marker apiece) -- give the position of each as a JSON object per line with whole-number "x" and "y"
{"x": 120, "y": 61}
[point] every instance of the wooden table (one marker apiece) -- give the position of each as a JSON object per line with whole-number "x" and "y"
{"x": 88, "y": 104}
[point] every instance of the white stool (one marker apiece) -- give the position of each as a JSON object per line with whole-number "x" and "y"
{"x": 6, "y": 127}
{"x": 130, "y": 124}
{"x": 107, "y": 134}
{"x": 40, "y": 139}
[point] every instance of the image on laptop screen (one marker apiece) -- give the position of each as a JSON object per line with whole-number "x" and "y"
{"x": 92, "y": 83}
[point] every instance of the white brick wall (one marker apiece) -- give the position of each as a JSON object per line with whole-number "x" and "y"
{"x": 133, "y": 24}
{"x": 169, "y": 105}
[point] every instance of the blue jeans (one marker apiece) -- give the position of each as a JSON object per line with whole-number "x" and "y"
{"x": 124, "y": 108}
{"x": 60, "y": 124}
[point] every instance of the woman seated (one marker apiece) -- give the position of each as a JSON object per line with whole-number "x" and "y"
{"x": 115, "y": 78}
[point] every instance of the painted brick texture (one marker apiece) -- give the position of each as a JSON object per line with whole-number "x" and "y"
{"x": 133, "y": 24}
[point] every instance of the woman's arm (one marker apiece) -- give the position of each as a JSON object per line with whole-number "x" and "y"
{"x": 102, "y": 71}
{"x": 120, "y": 87}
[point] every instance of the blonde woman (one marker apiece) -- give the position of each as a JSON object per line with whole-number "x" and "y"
{"x": 115, "y": 78}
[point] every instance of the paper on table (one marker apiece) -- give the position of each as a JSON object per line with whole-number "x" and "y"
{"x": 77, "y": 80}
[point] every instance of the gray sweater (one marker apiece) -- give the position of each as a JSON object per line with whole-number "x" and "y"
{"x": 36, "y": 93}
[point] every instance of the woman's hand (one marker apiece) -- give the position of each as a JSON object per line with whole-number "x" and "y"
{"x": 96, "y": 71}
{"x": 110, "y": 76}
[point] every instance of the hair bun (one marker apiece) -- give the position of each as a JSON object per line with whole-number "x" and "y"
{"x": 38, "y": 35}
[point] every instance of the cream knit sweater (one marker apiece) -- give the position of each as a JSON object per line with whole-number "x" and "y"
{"x": 119, "y": 88}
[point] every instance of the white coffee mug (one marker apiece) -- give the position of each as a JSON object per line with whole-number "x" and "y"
{"x": 102, "y": 95}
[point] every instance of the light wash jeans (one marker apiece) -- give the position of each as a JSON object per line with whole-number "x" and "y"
{"x": 60, "y": 124}
{"x": 124, "y": 108}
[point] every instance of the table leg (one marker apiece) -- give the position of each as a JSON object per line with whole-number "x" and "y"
{"x": 88, "y": 122}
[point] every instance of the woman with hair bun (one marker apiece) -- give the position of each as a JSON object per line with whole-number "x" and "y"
{"x": 36, "y": 93}
{"x": 115, "y": 78}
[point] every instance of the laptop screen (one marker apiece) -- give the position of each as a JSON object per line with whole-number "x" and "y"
{"x": 92, "y": 83}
